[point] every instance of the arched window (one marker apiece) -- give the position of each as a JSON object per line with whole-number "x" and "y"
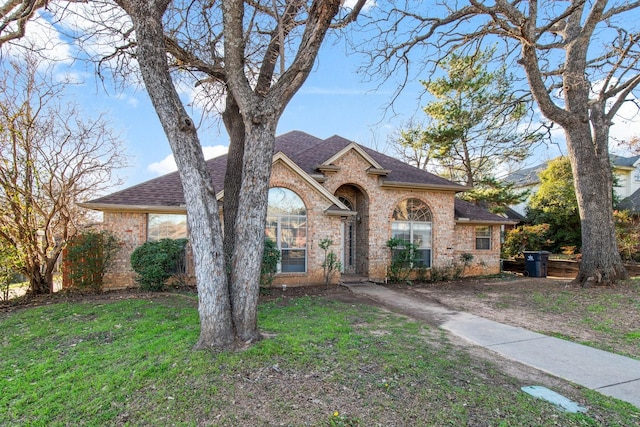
{"x": 412, "y": 223}
{"x": 287, "y": 226}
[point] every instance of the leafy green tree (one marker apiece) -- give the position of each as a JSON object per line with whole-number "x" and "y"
{"x": 555, "y": 203}
{"x": 526, "y": 237}
{"x": 477, "y": 121}
{"x": 494, "y": 195}
{"x": 579, "y": 61}
{"x": 413, "y": 145}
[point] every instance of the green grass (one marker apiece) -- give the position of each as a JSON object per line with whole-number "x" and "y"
{"x": 130, "y": 362}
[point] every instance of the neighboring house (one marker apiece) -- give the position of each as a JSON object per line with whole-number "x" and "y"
{"x": 627, "y": 188}
{"x": 324, "y": 189}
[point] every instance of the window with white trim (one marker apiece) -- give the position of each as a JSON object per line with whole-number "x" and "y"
{"x": 483, "y": 237}
{"x": 412, "y": 223}
{"x": 287, "y": 226}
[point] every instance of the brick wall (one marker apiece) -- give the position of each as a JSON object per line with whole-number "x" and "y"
{"x": 131, "y": 231}
{"x": 378, "y": 211}
{"x": 375, "y": 206}
{"x": 484, "y": 261}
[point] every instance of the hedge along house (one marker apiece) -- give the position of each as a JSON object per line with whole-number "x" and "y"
{"x": 323, "y": 189}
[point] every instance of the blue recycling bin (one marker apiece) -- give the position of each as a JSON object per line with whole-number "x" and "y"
{"x": 536, "y": 263}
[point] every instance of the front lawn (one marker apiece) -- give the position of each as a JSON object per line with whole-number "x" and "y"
{"x": 325, "y": 363}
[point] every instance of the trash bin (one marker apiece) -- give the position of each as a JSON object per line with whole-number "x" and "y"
{"x": 535, "y": 263}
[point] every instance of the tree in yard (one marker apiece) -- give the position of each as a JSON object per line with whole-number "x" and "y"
{"x": 555, "y": 204}
{"x": 494, "y": 195}
{"x": 580, "y": 60}
{"x": 260, "y": 54}
{"x": 475, "y": 123}
{"x": 413, "y": 145}
{"x": 51, "y": 157}
{"x": 476, "y": 119}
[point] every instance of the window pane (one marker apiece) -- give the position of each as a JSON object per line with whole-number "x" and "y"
{"x": 483, "y": 237}
{"x": 401, "y": 230}
{"x": 483, "y": 231}
{"x": 294, "y": 232}
{"x": 287, "y": 226}
{"x": 483, "y": 243}
{"x": 412, "y": 210}
{"x": 166, "y": 226}
{"x": 423, "y": 258}
{"x": 293, "y": 260}
{"x": 283, "y": 201}
{"x": 422, "y": 234}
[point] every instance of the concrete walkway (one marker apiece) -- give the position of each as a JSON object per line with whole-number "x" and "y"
{"x": 610, "y": 374}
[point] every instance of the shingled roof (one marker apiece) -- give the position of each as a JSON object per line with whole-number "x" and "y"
{"x": 307, "y": 151}
{"x": 465, "y": 211}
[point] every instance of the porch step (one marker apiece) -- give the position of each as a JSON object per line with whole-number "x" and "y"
{"x": 351, "y": 279}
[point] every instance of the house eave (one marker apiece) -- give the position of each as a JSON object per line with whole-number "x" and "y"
{"x": 464, "y": 221}
{"x": 418, "y": 186}
{"x": 109, "y": 207}
{"x": 339, "y": 212}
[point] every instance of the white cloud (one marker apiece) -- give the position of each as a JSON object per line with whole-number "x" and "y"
{"x": 168, "y": 164}
{"x": 42, "y": 37}
{"x": 348, "y": 4}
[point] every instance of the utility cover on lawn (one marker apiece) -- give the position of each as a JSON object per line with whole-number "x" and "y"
{"x": 556, "y": 399}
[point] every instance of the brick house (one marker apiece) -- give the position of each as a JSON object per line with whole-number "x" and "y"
{"x": 323, "y": 189}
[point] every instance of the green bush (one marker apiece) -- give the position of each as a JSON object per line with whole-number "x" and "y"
{"x": 403, "y": 259}
{"x": 270, "y": 260}
{"x": 87, "y": 257}
{"x": 156, "y": 262}
{"x": 526, "y": 238}
{"x": 330, "y": 265}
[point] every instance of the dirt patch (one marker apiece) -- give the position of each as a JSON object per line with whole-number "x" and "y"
{"x": 605, "y": 317}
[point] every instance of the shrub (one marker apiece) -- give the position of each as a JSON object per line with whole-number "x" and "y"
{"x": 466, "y": 259}
{"x": 270, "y": 259}
{"x": 628, "y": 235}
{"x": 155, "y": 262}
{"x": 8, "y": 269}
{"x": 526, "y": 237}
{"x": 403, "y": 258}
{"x": 87, "y": 257}
{"x": 451, "y": 272}
{"x": 330, "y": 265}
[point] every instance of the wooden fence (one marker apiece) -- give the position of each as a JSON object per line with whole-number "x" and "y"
{"x": 559, "y": 267}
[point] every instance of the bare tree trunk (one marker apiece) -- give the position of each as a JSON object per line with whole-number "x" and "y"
{"x": 601, "y": 262}
{"x": 37, "y": 282}
{"x": 205, "y": 230}
{"x": 233, "y": 175}
{"x": 249, "y": 233}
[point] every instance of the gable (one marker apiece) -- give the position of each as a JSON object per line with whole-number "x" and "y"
{"x": 303, "y": 153}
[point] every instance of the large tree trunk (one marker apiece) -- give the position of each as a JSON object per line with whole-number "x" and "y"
{"x": 38, "y": 284}
{"x": 233, "y": 175}
{"x": 249, "y": 230}
{"x": 205, "y": 230}
{"x": 601, "y": 262}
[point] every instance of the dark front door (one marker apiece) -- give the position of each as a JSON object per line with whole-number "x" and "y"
{"x": 349, "y": 245}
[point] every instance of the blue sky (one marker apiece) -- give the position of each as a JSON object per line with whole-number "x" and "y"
{"x": 334, "y": 100}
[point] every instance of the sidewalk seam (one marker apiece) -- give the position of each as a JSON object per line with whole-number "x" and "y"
{"x": 517, "y": 341}
{"x": 617, "y": 384}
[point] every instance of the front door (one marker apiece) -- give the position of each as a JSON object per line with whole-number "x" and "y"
{"x": 349, "y": 245}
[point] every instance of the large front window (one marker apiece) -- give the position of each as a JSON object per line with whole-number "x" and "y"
{"x": 287, "y": 226}
{"x": 412, "y": 223}
{"x": 166, "y": 226}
